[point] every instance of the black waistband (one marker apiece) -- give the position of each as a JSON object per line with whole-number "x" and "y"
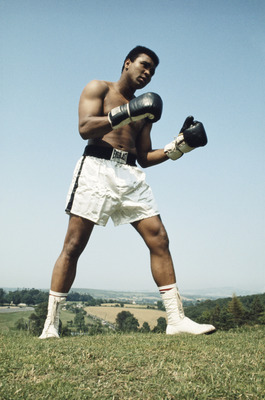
{"x": 109, "y": 153}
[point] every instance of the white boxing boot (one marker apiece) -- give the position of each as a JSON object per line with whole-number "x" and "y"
{"x": 51, "y": 326}
{"x": 177, "y": 323}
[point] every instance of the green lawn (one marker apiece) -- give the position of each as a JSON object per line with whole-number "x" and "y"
{"x": 226, "y": 365}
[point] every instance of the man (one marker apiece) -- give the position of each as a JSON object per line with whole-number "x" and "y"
{"x": 107, "y": 182}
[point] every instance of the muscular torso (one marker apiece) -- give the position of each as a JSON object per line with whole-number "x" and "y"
{"x": 125, "y": 137}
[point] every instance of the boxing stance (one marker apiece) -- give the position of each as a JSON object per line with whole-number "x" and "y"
{"x": 107, "y": 183}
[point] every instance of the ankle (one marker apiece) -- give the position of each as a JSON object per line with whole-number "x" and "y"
{"x": 172, "y": 302}
{"x": 57, "y": 294}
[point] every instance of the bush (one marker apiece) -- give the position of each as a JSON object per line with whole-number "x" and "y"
{"x": 126, "y": 322}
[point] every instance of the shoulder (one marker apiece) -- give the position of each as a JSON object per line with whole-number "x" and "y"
{"x": 96, "y": 88}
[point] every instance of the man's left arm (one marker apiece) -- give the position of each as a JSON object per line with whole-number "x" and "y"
{"x": 146, "y": 156}
{"x": 191, "y": 136}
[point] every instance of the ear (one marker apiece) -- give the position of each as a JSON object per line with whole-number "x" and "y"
{"x": 127, "y": 63}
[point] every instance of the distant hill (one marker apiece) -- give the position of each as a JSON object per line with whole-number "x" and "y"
{"x": 120, "y": 295}
{"x": 189, "y": 295}
{"x": 151, "y": 297}
{"x": 221, "y": 292}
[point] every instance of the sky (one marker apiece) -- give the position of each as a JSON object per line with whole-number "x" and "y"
{"x": 212, "y": 59}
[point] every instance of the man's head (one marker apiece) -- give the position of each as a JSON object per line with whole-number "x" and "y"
{"x": 137, "y": 51}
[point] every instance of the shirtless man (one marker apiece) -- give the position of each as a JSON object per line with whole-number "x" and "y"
{"x": 107, "y": 182}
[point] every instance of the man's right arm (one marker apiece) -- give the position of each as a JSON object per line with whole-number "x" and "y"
{"x": 92, "y": 123}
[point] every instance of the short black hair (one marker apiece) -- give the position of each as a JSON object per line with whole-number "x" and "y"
{"x": 136, "y": 51}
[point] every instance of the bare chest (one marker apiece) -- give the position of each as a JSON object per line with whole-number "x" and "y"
{"x": 112, "y": 99}
{"x": 115, "y": 99}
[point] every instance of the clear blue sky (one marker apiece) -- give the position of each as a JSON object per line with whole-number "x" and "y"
{"x": 212, "y": 66}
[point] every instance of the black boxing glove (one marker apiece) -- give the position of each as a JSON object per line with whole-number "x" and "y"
{"x": 148, "y": 105}
{"x": 191, "y": 136}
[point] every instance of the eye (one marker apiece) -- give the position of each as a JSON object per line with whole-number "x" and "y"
{"x": 146, "y": 65}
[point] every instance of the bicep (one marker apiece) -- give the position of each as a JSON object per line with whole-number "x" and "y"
{"x": 91, "y": 101}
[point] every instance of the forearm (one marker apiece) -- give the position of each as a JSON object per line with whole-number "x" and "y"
{"x": 152, "y": 157}
{"x": 94, "y": 127}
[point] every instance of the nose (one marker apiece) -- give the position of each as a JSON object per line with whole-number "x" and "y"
{"x": 147, "y": 73}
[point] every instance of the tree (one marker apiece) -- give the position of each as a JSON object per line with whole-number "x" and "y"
{"x": 161, "y": 325}
{"x": 37, "y": 319}
{"x": 236, "y": 309}
{"x": 215, "y": 314}
{"x": 16, "y": 298}
{"x": 96, "y": 329}
{"x": 261, "y": 319}
{"x": 131, "y": 324}
{"x": 160, "y": 305}
{"x": 217, "y": 317}
{"x": 27, "y": 299}
{"x": 79, "y": 321}
{"x": 256, "y": 309}
{"x": 21, "y": 324}
{"x": 126, "y": 322}
{"x": 145, "y": 328}
{"x": 205, "y": 317}
{"x": 65, "y": 331}
{"x": 2, "y": 296}
{"x": 28, "y": 296}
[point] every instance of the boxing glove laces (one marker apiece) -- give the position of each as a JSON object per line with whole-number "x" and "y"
{"x": 191, "y": 136}
{"x": 148, "y": 105}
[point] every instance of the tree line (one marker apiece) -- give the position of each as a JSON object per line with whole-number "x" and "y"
{"x": 230, "y": 312}
{"x": 225, "y": 313}
{"x": 31, "y": 297}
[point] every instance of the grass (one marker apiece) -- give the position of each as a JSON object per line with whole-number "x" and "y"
{"x": 226, "y": 365}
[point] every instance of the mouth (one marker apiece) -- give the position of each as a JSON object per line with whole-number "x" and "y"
{"x": 142, "y": 80}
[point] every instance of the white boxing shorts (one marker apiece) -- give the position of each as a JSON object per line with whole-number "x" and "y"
{"x": 101, "y": 189}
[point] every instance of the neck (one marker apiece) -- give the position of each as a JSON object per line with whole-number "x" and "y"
{"x": 124, "y": 88}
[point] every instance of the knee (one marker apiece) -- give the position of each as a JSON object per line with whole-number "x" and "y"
{"x": 72, "y": 249}
{"x": 159, "y": 242}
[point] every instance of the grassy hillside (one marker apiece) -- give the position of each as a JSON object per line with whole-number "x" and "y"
{"x": 226, "y": 365}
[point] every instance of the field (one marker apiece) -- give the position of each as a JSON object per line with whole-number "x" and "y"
{"x": 105, "y": 312}
{"x": 8, "y": 320}
{"x": 226, "y": 365}
{"x": 109, "y": 314}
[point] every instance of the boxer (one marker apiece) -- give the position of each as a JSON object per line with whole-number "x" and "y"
{"x": 107, "y": 182}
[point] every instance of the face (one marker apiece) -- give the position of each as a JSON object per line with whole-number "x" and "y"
{"x": 141, "y": 70}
